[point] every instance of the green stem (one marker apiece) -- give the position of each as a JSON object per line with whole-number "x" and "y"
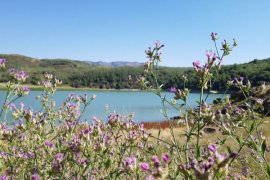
{"x": 199, "y": 120}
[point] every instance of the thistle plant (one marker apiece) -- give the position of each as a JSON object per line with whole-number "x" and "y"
{"x": 54, "y": 142}
{"x": 229, "y": 118}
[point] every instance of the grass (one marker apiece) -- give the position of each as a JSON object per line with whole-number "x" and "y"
{"x": 162, "y": 128}
{"x": 67, "y": 88}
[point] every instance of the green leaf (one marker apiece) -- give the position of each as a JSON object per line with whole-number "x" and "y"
{"x": 252, "y": 127}
{"x": 198, "y": 151}
{"x": 222, "y": 141}
{"x": 268, "y": 170}
{"x": 108, "y": 163}
{"x": 239, "y": 140}
{"x": 263, "y": 147}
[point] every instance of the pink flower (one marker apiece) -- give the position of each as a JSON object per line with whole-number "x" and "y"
{"x": 49, "y": 144}
{"x": 166, "y": 158}
{"x": 212, "y": 148}
{"x": 158, "y": 44}
{"x": 197, "y": 65}
{"x": 2, "y": 62}
{"x": 173, "y": 90}
{"x": 144, "y": 166}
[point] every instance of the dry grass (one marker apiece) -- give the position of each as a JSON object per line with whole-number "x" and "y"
{"x": 206, "y": 138}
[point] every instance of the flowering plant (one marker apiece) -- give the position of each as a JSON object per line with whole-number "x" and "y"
{"x": 53, "y": 142}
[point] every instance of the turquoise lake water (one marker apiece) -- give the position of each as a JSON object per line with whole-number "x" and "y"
{"x": 145, "y": 105}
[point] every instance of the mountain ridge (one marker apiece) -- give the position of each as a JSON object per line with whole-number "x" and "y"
{"x": 95, "y": 63}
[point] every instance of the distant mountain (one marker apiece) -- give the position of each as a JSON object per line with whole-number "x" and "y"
{"x": 93, "y": 63}
{"x": 115, "y": 63}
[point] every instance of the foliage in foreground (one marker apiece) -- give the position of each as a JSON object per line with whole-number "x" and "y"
{"x": 53, "y": 143}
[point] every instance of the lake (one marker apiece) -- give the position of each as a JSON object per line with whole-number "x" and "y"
{"x": 145, "y": 105}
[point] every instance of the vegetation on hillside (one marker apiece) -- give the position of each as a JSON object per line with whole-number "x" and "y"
{"x": 82, "y": 74}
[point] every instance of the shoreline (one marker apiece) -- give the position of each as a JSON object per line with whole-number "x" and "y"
{"x": 69, "y": 88}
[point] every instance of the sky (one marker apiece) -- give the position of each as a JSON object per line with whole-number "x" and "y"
{"x": 121, "y": 30}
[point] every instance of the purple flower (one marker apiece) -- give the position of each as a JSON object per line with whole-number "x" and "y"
{"x": 130, "y": 162}
{"x": 18, "y": 75}
{"x": 12, "y": 71}
{"x": 3, "y": 177}
{"x": 211, "y": 160}
{"x": 49, "y": 144}
{"x": 86, "y": 131}
{"x": 2, "y": 62}
{"x": 144, "y": 166}
{"x": 197, "y": 65}
{"x": 156, "y": 161}
{"x": 59, "y": 157}
{"x": 22, "y": 91}
{"x": 221, "y": 157}
{"x": 233, "y": 154}
{"x": 173, "y": 90}
{"x": 166, "y": 158}
{"x": 56, "y": 166}
{"x": 35, "y": 177}
{"x": 150, "y": 177}
{"x": 154, "y": 158}
{"x": 12, "y": 106}
{"x": 194, "y": 163}
{"x": 210, "y": 55}
{"x": 158, "y": 44}
{"x": 21, "y": 76}
{"x": 238, "y": 111}
{"x": 212, "y": 148}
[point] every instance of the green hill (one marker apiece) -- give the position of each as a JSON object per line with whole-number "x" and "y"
{"x": 85, "y": 74}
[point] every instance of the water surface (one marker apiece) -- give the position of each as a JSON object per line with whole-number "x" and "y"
{"x": 144, "y": 105}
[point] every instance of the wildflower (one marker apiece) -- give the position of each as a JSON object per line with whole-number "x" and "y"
{"x": 166, "y": 158}
{"x": 2, "y": 63}
{"x": 211, "y": 56}
{"x": 47, "y": 83}
{"x": 144, "y": 166}
{"x": 59, "y": 157}
{"x": 173, "y": 90}
{"x": 155, "y": 161}
{"x": 197, "y": 65}
{"x": 212, "y": 148}
{"x": 4, "y": 177}
{"x": 22, "y": 91}
{"x": 130, "y": 163}
{"x": 158, "y": 45}
{"x": 18, "y": 75}
{"x": 35, "y": 177}
{"x": 150, "y": 177}
{"x": 214, "y": 36}
{"x": 49, "y": 144}
{"x": 48, "y": 76}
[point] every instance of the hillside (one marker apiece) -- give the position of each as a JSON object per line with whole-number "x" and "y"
{"x": 115, "y": 75}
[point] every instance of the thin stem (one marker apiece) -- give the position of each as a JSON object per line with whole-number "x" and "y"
{"x": 199, "y": 120}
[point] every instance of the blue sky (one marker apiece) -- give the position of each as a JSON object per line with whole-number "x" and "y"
{"x": 113, "y": 30}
